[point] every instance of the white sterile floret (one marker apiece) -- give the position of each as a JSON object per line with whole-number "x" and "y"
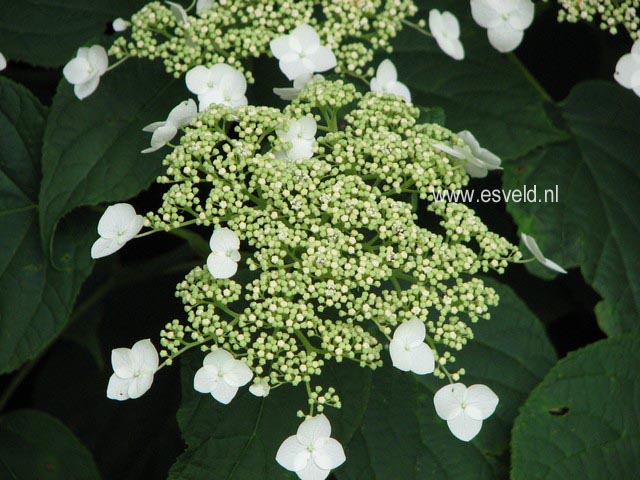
{"x": 220, "y": 84}
{"x": 133, "y": 370}
{"x": 446, "y": 30}
{"x": 204, "y": 5}
{"x": 163, "y": 132}
{"x": 628, "y": 69}
{"x": 119, "y": 224}
{"x": 120, "y": 25}
{"x": 386, "y": 81}
{"x": 84, "y": 71}
{"x": 477, "y": 160}
{"x": 311, "y": 453}
{"x": 408, "y": 351}
{"x": 300, "y": 53}
{"x": 301, "y": 134}
{"x": 505, "y": 21}
{"x": 221, "y": 375}
{"x": 3, "y": 62}
{"x": 260, "y": 387}
{"x": 533, "y": 247}
{"x": 291, "y": 93}
{"x": 225, "y": 253}
{"x": 464, "y": 408}
{"x": 179, "y": 12}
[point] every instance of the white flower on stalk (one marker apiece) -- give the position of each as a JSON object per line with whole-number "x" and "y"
{"x": 311, "y": 453}
{"x": 119, "y": 224}
{"x": 120, "y": 25}
{"x": 84, "y": 71}
{"x": 464, "y": 408}
{"x": 178, "y": 12}
{"x": 408, "y": 351}
{"x": 204, "y": 5}
{"x": 477, "y": 160}
{"x": 225, "y": 253}
{"x": 300, "y": 53}
{"x": 628, "y": 69}
{"x": 220, "y": 84}
{"x": 291, "y": 93}
{"x": 221, "y": 375}
{"x": 446, "y": 30}
{"x": 3, "y": 62}
{"x": 301, "y": 134}
{"x": 505, "y": 21}
{"x": 163, "y": 132}
{"x": 533, "y": 247}
{"x": 133, "y": 370}
{"x": 386, "y": 81}
{"x": 260, "y": 387}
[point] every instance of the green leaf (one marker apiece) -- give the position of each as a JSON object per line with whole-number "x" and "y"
{"x": 404, "y": 438}
{"x": 35, "y": 299}
{"x": 488, "y": 93}
{"x": 582, "y": 420}
{"x": 597, "y": 174}
{"x": 36, "y": 446}
{"x": 240, "y": 441}
{"x": 48, "y": 32}
{"x": 92, "y": 147}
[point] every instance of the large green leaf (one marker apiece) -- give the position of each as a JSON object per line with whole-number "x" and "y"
{"x": 404, "y": 438}
{"x": 92, "y": 147}
{"x": 595, "y": 224}
{"x": 488, "y": 93}
{"x": 582, "y": 420}
{"x": 36, "y": 446}
{"x": 35, "y": 298}
{"x": 48, "y": 32}
{"x": 240, "y": 441}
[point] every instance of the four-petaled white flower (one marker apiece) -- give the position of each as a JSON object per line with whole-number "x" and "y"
{"x": 204, "y": 5}
{"x": 628, "y": 69}
{"x": 477, "y": 160}
{"x": 311, "y": 453}
{"x": 178, "y": 12}
{"x": 221, "y": 84}
{"x": 119, "y": 224}
{"x": 260, "y": 387}
{"x": 221, "y": 375}
{"x": 408, "y": 351}
{"x": 533, "y": 247}
{"x": 225, "y": 255}
{"x": 84, "y": 71}
{"x": 133, "y": 370}
{"x": 386, "y": 81}
{"x": 291, "y": 93}
{"x": 163, "y": 132}
{"x": 446, "y": 30}
{"x": 3, "y": 62}
{"x": 505, "y": 21}
{"x": 464, "y": 408}
{"x": 301, "y": 134}
{"x": 300, "y": 53}
{"x": 120, "y": 25}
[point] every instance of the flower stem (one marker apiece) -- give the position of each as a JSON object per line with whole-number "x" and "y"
{"x": 417, "y": 28}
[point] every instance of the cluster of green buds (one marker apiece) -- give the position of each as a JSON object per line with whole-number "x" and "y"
{"x": 611, "y": 14}
{"x": 337, "y": 247}
{"x": 233, "y": 32}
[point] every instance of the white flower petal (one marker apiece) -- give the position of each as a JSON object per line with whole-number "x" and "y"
{"x": 139, "y": 385}
{"x": 152, "y": 127}
{"x": 287, "y": 93}
{"x": 292, "y": 455}
{"x": 120, "y": 217}
{"x": 122, "y": 362}
{"x": 118, "y": 388}
{"x": 627, "y": 66}
{"x": 76, "y": 71}
{"x": 464, "y": 427}
{"x": 145, "y": 356}
{"x": 533, "y": 247}
{"x": 329, "y": 454}
{"x": 205, "y": 378}
{"x": 219, "y": 358}
{"x": 481, "y": 402}
{"x": 307, "y": 36}
{"x": 120, "y": 25}
{"x": 450, "y": 24}
{"x": 521, "y": 16}
{"x": 197, "y": 79}
{"x": 323, "y": 59}
{"x": 551, "y": 265}
{"x": 224, "y": 239}
{"x": 485, "y": 14}
{"x": 3, "y": 62}
{"x": 183, "y": 113}
{"x": 161, "y": 136}
{"x": 422, "y": 360}
{"x": 203, "y": 5}
{"x": 505, "y": 38}
{"x": 280, "y": 46}
{"x": 104, "y": 247}
{"x": 411, "y": 332}
{"x": 260, "y": 389}
{"x": 400, "y": 89}
{"x": 178, "y": 11}
{"x": 386, "y": 72}
{"x": 294, "y": 67}
{"x": 238, "y": 374}
{"x": 448, "y": 400}
{"x": 98, "y": 58}
{"x": 312, "y": 429}
{"x": 400, "y": 356}
{"x": 223, "y": 392}
{"x": 453, "y": 151}
{"x": 313, "y": 472}
{"x": 83, "y": 90}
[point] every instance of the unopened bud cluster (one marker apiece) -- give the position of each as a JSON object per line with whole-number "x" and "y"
{"x": 611, "y": 14}
{"x": 233, "y": 32}
{"x": 338, "y": 249}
